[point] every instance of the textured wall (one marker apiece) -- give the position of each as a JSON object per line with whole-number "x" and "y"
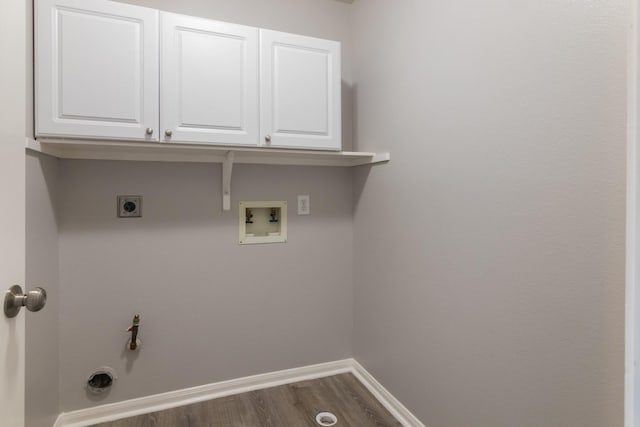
{"x": 489, "y": 254}
{"x": 42, "y": 359}
{"x": 211, "y": 309}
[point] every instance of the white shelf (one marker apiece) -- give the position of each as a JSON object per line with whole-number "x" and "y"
{"x": 228, "y": 156}
{"x": 166, "y": 152}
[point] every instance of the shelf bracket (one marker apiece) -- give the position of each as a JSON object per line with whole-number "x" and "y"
{"x": 227, "y": 166}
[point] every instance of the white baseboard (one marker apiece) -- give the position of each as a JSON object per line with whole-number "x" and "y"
{"x": 172, "y": 399}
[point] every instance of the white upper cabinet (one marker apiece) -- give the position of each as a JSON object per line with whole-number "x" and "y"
{"x": 114, "y": 71}
{"x": 300, "y": 92}
{"x": 209, "y": 81}
{"x": 96, "y": 70}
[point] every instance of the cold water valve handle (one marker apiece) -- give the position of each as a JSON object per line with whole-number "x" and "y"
{"x": 135, "y": 342}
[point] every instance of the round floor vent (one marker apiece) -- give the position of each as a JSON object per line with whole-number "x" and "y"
{"x": 326, "y": 419}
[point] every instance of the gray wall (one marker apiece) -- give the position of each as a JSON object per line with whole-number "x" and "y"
{"x": 211, "y": 309}
{"x": 489, "y": 254}
{"x": 42, "y": 266}
{"x": 42, "y": 360}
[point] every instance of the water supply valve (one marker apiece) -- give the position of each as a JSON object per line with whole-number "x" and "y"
{"x": 134, "y": 343}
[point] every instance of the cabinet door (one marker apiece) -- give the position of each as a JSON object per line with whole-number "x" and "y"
{"x": 209, "y": 81}
{"x": 96, "y": 70}
{"x": 300, "y": 91}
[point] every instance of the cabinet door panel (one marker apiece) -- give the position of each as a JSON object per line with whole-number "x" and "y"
{"x": 301, "y": 83}
{"x": 300, "y": 91}
{"x": 97, "y": 69}
{"x": 209, "y": 81}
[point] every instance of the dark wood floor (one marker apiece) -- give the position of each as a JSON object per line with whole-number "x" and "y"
{"x": 293, "y": 405}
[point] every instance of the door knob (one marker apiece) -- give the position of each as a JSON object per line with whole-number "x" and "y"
{"x": 15, "y": 299}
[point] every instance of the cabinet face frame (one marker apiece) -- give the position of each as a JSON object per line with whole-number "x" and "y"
{"x": 299, "y": 109}
{"x": 96, "y": 70}
{"x": 208, "y": 81}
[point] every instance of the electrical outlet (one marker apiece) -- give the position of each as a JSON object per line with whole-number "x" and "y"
{"x": 304, "y": 206}
{"x": 129, "y": 206}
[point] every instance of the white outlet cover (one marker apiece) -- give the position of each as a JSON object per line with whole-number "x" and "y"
{"x": 304, "y": 204}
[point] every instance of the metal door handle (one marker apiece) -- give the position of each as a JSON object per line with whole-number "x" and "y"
{"x": 15, "y": 299}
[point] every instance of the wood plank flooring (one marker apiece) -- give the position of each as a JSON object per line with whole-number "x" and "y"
{"x": 294, "y": 405}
